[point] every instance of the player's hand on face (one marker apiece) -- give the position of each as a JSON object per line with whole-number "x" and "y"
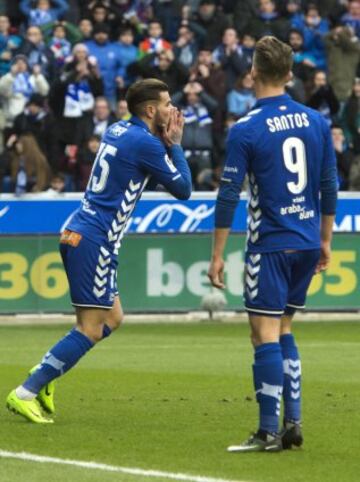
{"x": 173, "y": 132}
{"x": 324, "y": 261}
{"x": 216, "y": 273}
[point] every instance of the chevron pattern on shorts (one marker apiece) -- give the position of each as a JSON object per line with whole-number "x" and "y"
{"x": 118, "y": 224}
{"x": 254, "y": 211}
{"x": 252, "y": 275}
{"x": 292, "y": 368}
{"x": 101, "y": 272}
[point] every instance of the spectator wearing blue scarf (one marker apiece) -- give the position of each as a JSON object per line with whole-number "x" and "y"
{"x": 59, "y": 45}
{"x": 198, "y": 108}
{"x": 72, "y": 94}
{"x": 18, "y": 85}
{"x": 37, "y": 52}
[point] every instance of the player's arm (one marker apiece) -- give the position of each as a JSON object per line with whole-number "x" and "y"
{"x": 227, "y": 201}
{"x": 168, "y": 167}
{"x": 328, "y": 188}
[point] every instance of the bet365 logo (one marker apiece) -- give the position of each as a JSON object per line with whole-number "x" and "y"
{"x": 170, "y": 278}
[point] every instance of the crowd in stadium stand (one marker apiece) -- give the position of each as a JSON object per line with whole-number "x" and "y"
{"x": 65, "y": 67}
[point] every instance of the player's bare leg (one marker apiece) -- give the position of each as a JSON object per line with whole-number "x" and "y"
{"x": 286, "y": 324}
{"x": 98, "y": 323}
{"x": 264, "y": 329}
{"x": 268, "y": 382}
{"x": 291, "y": 434}
{"x": 115, "y": 316}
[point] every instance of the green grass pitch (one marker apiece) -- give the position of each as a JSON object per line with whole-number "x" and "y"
{"x": 172, "y": 397}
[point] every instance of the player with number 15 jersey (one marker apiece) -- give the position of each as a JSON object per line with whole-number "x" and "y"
{"x": 144, "y": 151}
{"x": 129, "y": 158}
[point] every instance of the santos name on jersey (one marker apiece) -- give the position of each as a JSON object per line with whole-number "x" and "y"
{"x": 128, "y": 158}
{"x": 285, "y": 148}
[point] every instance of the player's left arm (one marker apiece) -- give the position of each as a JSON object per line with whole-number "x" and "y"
{"x": 328, "y": 189}
{"x": 227, "y": 200}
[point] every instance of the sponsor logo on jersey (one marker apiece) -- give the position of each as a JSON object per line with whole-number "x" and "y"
{"x": 117, "y": 130}
{"x": 297, "y": 209}
{"x": 233, "y": 169}
{"x": 71, "y": 238}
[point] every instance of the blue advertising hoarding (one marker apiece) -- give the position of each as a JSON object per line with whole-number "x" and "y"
{"x": 154, "y": 213}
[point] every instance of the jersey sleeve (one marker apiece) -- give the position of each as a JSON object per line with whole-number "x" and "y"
{"x": 236, "y": 165}
{"x": 172, "y": 171}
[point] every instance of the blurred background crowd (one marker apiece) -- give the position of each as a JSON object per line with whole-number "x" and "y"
{"x": 65, "y": 67}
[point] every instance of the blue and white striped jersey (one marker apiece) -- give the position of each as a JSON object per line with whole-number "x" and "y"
{"x": 286, "y": 149}
{"x": 129, "y": 158}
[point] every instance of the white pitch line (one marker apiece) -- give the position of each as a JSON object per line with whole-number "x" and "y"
{"x": 109, "y": 468}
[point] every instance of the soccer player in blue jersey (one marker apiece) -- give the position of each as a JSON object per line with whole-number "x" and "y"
{"x": 286, "y": 150}
{"x": 144, "y": 151}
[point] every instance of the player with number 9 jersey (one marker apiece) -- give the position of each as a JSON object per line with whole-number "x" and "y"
{"x": 284, "y": 147}
{"x": 286, "y": 150}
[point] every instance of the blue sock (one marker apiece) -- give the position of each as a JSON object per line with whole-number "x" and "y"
{"x": 63, "y": 356}
{"x": 268, "y": 381}
{"x": 292, "y": 378}
{"x": 106, "y": 331}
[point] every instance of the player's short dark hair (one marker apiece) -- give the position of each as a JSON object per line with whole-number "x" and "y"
{"x": 142, "y": 91}
{"x": 273, "y": 59}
